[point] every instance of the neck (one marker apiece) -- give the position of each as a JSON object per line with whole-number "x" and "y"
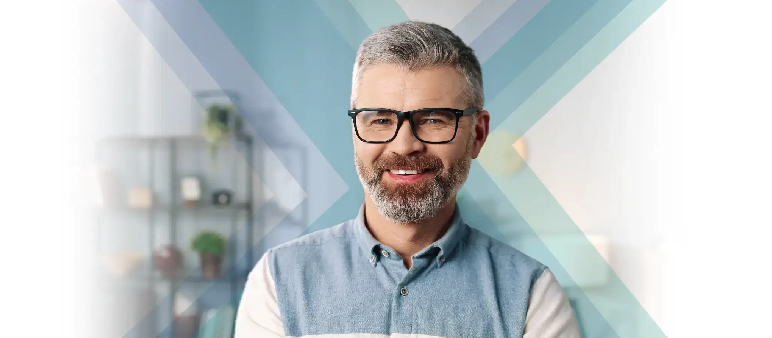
{"x": 407, "y": 239}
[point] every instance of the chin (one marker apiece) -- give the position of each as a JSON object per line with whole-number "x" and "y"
{"x": 409, "y": 209}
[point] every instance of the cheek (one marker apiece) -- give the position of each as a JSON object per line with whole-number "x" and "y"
{"x": 449, "y": 153}
{"x": 367, "y": 152}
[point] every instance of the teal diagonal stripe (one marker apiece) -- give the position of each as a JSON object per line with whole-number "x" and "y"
{"x": 303, "y": 60}
{"x": 345, "y": 18}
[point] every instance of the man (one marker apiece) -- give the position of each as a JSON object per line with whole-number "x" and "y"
{"x": 407, "y": 265}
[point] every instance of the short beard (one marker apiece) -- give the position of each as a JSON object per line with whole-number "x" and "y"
{"x": 417, "y": 202}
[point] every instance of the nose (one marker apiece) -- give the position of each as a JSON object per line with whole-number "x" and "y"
{"x": 405, "y": 143}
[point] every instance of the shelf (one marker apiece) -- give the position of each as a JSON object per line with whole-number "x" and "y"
{"x": 145, "y": 280}
{"x": 165, "y": 138}
{"x": 162, "y": 208}
{"x": 226, "y": 278}
{"x": 165, "y": 159}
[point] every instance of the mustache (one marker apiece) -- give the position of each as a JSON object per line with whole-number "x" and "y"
{"x": 413, "y": 162}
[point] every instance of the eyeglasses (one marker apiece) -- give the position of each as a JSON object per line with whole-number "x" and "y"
{"x": 429, "y": 125}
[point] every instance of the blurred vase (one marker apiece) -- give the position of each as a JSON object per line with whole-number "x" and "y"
{"x": 168, "y": 260}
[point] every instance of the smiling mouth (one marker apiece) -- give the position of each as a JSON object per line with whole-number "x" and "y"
{"x": 406, "y": 172}
{"x": 408, "y": 175}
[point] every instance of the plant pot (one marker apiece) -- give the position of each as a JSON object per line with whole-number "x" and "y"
{"x": 211, "y": 265}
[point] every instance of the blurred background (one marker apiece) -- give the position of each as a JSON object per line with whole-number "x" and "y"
{"x": 153, "y": 195}
{"x": 180, "y": 210}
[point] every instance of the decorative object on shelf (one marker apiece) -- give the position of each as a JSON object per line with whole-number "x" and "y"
{"x": 191, "y": 191}
{"x": 222, "y": 197}
{"x": 169, "y": 261}
{"x": 140, "y": 197}
{"x": 186, "y": 318}
{"x": 221, "y": 120}
{"x": 504, "y": 153}
{"x": 110, "y": 188}
{"x": 211, "y": 247}
{"x": 121, "y": 264}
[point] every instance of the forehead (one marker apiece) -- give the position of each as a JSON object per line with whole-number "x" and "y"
{"x": 389, "y": 86}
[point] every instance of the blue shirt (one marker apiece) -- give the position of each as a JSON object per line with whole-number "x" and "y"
{"x": 342, "y": 282}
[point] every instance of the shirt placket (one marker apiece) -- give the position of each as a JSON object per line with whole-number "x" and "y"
{"x": 403, "y": 304}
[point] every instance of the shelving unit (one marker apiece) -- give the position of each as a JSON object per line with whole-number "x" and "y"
{"x": 167, "y": 218}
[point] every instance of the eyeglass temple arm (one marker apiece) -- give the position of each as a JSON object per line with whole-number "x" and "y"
{"x": 469, "y": 111}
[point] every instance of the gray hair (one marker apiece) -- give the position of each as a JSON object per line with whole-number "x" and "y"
{"x": 420, "y": 45}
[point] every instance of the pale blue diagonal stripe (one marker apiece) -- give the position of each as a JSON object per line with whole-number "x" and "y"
{"x": 480, "y": 18}
{"x": 503, "y": 28}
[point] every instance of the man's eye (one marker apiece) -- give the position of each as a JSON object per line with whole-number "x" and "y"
{"x": 433, "y": 121}
{"x": 381, "y": 121}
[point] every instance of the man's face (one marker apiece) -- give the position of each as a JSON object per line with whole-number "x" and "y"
{"x": 435, "y": 172}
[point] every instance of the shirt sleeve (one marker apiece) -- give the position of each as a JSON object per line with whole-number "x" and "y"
{"x": 258, "y": 315}
{"x": 549, "y": 311}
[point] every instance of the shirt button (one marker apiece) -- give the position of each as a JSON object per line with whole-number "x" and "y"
{"x": 372, "y": 259}
{"x": 385, "y": 253}
{"x": 442, "y": 258}
{"x": 403, "y": 291}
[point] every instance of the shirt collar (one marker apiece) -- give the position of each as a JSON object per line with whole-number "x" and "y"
{"x": 366, "y": 240}
{"x": 443, "y": 247}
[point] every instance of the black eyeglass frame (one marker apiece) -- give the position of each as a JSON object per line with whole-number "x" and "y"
{"x": 401, "y": 116}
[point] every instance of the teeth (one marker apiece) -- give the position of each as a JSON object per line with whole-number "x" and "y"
{"x": 405, "y": 172}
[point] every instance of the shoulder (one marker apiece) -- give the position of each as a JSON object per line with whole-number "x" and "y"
{"x": 504, "y": 256}
{"x": 334, "y": 233}
{"x": 321, "y": 243}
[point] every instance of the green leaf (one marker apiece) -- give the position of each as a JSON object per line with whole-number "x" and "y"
{"x": 209, "y": 241}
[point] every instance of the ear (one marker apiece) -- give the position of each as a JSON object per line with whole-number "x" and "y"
{"x": 481, "y": 125}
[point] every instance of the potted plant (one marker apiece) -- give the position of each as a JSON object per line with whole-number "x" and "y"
{"x": 220, "y": 121}
{"x": 211, "y": 247}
